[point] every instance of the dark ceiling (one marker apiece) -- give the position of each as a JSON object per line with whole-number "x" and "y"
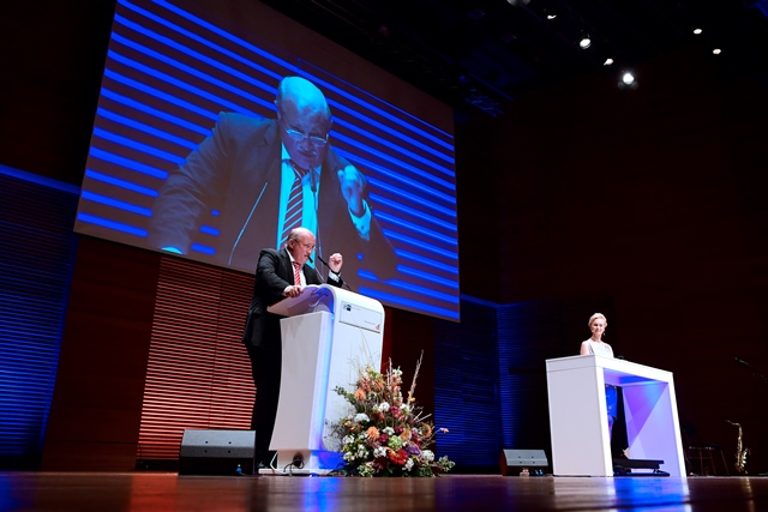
{"x": 488, "y": 53}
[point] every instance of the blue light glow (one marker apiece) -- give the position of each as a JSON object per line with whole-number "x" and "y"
{"x": 127, "y": 185}
{"x": 168, "y": 98}
{"x": 138, "y": 146}
{"x": 203, "y": 249}
{"x": 111, "y": 224}
{"x": 127, "y": 163}
{"x": 157, "y": 114}
{"x": 209, "y": 230}
{"x": 145, "y": 128}
{"x": 116, "y": 203}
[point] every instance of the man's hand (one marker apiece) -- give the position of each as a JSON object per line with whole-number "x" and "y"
{"x": 292, "y": 291}
{"x": 352, "y": 184}
{"x": 335, "y": 262}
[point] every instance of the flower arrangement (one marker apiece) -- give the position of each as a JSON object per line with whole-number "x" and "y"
{"x": 387, "y": 435}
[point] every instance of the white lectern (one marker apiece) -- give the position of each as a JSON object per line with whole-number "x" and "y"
{"x": 581, "y": 442}
{"x": 328, "y": 335}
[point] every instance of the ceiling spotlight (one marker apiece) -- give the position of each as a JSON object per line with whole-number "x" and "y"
{"x": 585, "y": 43}
{"x": 550, "y": 17}
{"x": 717, "y": 51}
{"x": 697, "y": 31}
{"x": 627, "y": 78}
{"x": 608, "y": 62}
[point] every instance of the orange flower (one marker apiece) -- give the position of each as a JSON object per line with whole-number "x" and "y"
{"x": 359, "y": 395}
{"x": 399, "y": 457}
{"x": 372, "y": 433}
{"x": 406, "y": 435}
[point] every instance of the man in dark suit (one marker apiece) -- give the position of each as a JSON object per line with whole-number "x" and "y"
{"x": 235, "y": 193}
{"x": 279, "y": 274}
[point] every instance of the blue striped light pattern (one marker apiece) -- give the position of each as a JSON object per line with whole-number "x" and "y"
{"x": 169, "y": 72}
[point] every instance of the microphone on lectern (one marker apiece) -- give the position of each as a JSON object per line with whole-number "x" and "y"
{"x": 343, "y": 284}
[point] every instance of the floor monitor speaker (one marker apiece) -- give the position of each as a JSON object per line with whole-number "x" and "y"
{"x": 217, "y": 452}
{"x": 517, "y": 461}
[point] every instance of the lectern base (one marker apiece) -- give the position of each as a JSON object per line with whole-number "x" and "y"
{"x": 303, "y": 463}
{"x": 624, "y": 467}
{"x": 291, "y": 471}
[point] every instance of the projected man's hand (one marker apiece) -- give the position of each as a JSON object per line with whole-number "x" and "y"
{"x": 352, "y": 184}
{"x": 335, "y": 262}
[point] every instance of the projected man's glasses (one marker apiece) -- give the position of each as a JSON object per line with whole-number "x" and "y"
{"x": 299, "y": 136}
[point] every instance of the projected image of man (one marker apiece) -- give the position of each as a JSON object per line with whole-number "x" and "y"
{"x": 254, "y": 179}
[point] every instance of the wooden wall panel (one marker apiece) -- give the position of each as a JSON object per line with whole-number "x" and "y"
{"x": 198, "y": 375}
{"x": 97, "y": 401}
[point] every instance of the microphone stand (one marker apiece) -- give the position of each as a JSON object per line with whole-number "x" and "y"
{"x": 245, "y": 224}
{"x": 314, "y": 267}
{"x": 343, "y": 283}
{"x": 313, "y": 185}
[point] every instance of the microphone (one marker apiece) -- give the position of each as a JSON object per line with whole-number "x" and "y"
{"x": 313, "y": 182}
{"x": 319, "y": 276}
{"x": 324, "y": 262}
{"x": 247, "y": 221}
{"x": 343, "y": 284}
{"x": 741, "y": 361}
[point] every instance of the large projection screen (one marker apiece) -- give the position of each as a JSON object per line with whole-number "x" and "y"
{"x": 187, "y": 157}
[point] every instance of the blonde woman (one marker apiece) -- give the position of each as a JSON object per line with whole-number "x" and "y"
{"x": 595, "y": 346}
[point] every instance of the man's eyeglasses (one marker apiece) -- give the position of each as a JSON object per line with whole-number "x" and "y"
{"x": 298, "y": 136}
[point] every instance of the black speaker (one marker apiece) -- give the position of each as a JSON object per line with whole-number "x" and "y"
{"x": 217, "y": 452}
{"x": 514, "y": 461}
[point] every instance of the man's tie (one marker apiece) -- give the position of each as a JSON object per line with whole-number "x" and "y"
{"x": 296, "y": 274}
{"x": 295, "y": 210}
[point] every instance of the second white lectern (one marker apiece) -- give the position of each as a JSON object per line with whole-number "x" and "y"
{"x": 328, "y": 335}
{"x": 581, "y": 444}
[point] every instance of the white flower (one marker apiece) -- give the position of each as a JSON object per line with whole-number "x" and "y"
{"x": 349, "y": 457}
{"x": 388, "y": 430}
{"x": 361, "y": 452}
{"x": 428, "y": 455}
{"x": 361, "y": 418}
{"x": 380, "y": 452}
{"x": 405, "y": 408}
{"x": 408, "y": 464}
{"x": 383, "y": 407}
{"x": 348, "y": 440}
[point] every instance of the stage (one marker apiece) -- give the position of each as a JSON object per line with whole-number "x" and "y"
{"x": 152, "y": 491}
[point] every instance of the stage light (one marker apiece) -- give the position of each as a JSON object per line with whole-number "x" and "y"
{"x": 628, "y": 78}
{"x": 697, "y": 31}
{"x": 585, "y": 43}
{"x": 550, "y": 17}
{"x": 717, "y": 51}
{"x": 608, "y": 62}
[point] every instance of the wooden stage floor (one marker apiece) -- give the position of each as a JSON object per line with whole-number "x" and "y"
{"x": 150, "y": 491}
